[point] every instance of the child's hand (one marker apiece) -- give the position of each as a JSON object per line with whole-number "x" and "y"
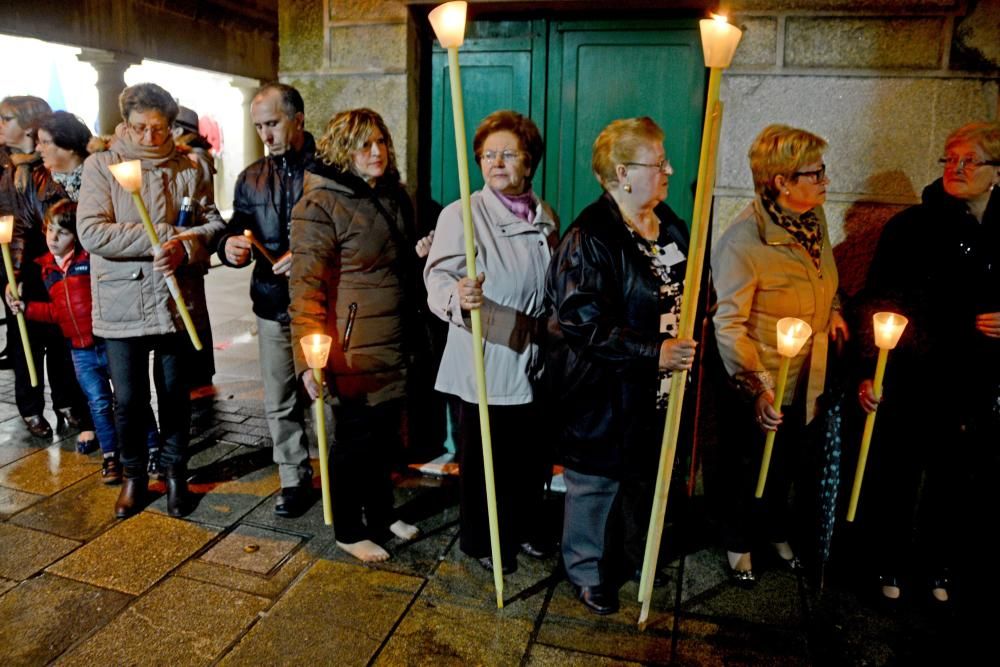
{"x": 15, "y": 306}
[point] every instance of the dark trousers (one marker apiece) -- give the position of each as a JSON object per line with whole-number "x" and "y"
{"x": 367, "y": 441}
{"x": 744, "y": 518}
{"x": 50, "y": 352}
{"x": 521, "y": 468}
{"x": 128, "y": 359}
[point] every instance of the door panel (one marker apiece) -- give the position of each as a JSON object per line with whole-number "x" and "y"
{"x": 603, "y": 71}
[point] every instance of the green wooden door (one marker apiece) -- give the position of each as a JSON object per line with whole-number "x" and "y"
{"x": 602, "y": 71}
{"x": 502, "y": 67}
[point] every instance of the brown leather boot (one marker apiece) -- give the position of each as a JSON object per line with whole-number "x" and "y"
{"x": 131, "y": 497}
{"x": 178, "y": 498}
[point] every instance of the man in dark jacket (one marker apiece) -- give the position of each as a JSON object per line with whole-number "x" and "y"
{"x": 265, "y": 193}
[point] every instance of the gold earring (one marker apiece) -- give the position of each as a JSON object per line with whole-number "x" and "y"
{"x": 787, "y": 193}
{"x": 627, "y": 188}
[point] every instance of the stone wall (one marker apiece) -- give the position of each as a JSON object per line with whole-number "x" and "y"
{"x": 883, "y": 80}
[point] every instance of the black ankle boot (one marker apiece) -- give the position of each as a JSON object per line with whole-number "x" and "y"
{"x": 178, "y": 498}
{"x": 131, "y": 497}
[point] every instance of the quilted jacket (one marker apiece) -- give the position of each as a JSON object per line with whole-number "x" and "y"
{"x": 69, "y": 298}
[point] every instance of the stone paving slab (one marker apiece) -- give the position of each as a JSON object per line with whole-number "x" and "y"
{"x": 13, "y": 450}
{"x": 45, "y": 615}
{"x": 136, "y": 553}
{"x": 13, "y": 501}
{"x": 270, "y": 586}
{"x": 79, "y": 512}
{"x": 705, "y": 641}
{"x": 336, "y": 614}
{"x": 550, "y": 656}
{"x": 180, "y": 622}
{"x": 253, "y": 549}
{"x": 6, "y": 585}
{"x": 775, "y": 600}
{"x": 23, "y": 552}
{"x": 569, "y": 625}
{"x": 48, "y": 471}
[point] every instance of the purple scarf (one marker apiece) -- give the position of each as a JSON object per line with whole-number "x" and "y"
{"x": 522, "y": 205}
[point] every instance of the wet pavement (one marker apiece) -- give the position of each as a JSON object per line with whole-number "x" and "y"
{"x": 234, "y": 584}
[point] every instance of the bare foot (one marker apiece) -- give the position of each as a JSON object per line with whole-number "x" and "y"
{"x": 365, "y": 550}
{"x": 404, "y": 531}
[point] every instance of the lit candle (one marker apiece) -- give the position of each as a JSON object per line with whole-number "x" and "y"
{"x": 316, "y": 349}
{"x": 448, "y": 21}
{"x": 6, "y": 234}
{"x": 792, "y": 335}
{"x": 719, "y": 41}
{"x": 888, "y": 330}
{"x": 129, "y": 176}
{"x": 260, "y": 246}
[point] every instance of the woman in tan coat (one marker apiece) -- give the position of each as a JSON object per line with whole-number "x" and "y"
{"x": 775, "y": 261}
{"x": 351, "y": 246}
{"x": 133, "y": 310}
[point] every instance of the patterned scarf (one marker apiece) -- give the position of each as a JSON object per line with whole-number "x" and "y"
{"x": 70, "y": 181}
{"x": 804, "y": 228}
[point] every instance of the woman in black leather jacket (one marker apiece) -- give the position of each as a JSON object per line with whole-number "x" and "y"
{"x": 616, "y": 285}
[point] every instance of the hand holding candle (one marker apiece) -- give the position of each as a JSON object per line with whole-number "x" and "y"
{"x": 888, "y": 330}
{"x": 260, "y": 246}
{"x": 129, "y": 176}
{"x": 792, "y": 335}
{"x": 316, "y": 348}
{"x": 6, "y": 234}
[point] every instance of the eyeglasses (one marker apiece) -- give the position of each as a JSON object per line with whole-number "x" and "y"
{"x": 505, "y": 156}
{"x": 154, "y": 131}
{"x": 959, "y": 164}
{"x": 7, "y": 119}
{"x": 662, "y": 165}
{"x": 816, "y": 174}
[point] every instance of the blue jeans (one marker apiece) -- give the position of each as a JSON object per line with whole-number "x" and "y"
{"x": 95, "y": 380}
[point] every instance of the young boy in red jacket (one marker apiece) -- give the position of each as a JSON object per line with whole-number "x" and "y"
{"x": 66, "y": 275}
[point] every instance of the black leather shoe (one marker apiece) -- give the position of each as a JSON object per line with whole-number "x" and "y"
{"x": 535, "y": 550}
{"x": 38, "y": 426}
{"x": 293, "y": 501}
{"x": 131, "y": 497}
{"x": 743, "y": 578}
{"x": 66, "y": 419}
{"x": 178, "y": 498}
{"x": 509, "y": 564}
{"x": 597, "y": 599}
{"x": 153, "y": 467}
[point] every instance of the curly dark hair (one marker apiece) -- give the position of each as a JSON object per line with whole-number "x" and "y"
{"x": 67, "y": 131}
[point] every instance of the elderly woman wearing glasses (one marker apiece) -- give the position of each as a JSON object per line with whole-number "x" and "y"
{"x": 133, "y": 310}
{"x": 616, "y": 285}
{"x": 515, "y": 233}
{"x": 774, "y": 261}
{"x": 938, "y": 264}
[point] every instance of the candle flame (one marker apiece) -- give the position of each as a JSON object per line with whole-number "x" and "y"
{"x": 247, "y": 233}
{"x": 6, "y": 228}
{"x": 720, "y": 18}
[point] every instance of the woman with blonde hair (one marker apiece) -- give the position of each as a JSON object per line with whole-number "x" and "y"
{"x": 616, "y": 285}
{"x": 350, "y": 242}
{"x": 774, "y": 261}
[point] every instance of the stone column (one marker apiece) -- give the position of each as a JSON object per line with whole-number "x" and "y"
{"x": 253, "y": 148}
{"x": 110, "y": 67}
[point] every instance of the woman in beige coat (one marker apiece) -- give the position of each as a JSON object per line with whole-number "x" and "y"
{"x": 133, "y": 310}
{"x": 775, "y": 261}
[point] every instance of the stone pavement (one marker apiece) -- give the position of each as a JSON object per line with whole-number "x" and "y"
{"x": 232, "y": 584}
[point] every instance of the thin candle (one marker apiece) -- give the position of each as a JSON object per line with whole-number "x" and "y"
{"x": 260, "y": 246}
{"x": 316, "y": 349}
{"x": 448, "y": 21}
{"x": 129, "y": 176}
{"x": 717, "y": 59}
{"x": 6, "y": 234}
{"x": 888, "y": 330}
{"x": 792, "y": 335}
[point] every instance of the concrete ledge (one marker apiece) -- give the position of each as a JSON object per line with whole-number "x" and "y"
{"x": 864, "y": 42}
